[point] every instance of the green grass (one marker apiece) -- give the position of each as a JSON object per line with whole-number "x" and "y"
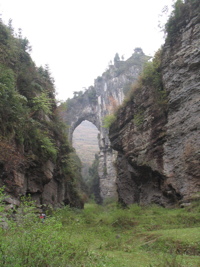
{"x": 104, "y": 236}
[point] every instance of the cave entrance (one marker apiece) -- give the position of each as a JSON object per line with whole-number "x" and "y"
{"x": 85, "y": 142}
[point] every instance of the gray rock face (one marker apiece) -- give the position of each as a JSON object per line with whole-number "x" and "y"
{"x": 159, "y": 148}
{"x": 95, "y": 104}
{"x": 42, "y": 182}
{"x": 182, "y": 82}
{"x": 42, "y": 179}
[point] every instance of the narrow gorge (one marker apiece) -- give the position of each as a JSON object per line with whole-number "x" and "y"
{"x": 157, "y": 133}
{"x": 151, "y": 154}
{"x": 147, "y": 112}
{"x": 99, "y": 102}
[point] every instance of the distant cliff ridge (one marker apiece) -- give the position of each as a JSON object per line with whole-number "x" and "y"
{"x": 157, "y": 132}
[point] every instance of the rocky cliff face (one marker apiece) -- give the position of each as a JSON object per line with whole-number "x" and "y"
{"x": 158, "y": 141}
{"x": 101, "y": 100}
{"x": 34, "y": 150}
{"x": 181, "y": 78}
{"x": 28, "y": 173}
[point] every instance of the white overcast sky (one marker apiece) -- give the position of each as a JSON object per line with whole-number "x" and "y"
{"x": 77, "y": 38}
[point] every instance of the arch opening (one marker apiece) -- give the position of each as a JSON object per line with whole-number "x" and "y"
{"x": 85, "y": 142}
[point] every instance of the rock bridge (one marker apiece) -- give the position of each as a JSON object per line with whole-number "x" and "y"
{"x": 83, "y": 107}
{"x": 89, "y": 106}
{"x": 99, "y": 101}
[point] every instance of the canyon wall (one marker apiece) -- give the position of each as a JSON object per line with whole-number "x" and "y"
{"x": 34, "y": 149}
{"x": 157, "y": 134}
{"x": 96, "y": 103}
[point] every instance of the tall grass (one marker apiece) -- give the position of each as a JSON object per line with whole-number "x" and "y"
{"x": 102, "y": 236}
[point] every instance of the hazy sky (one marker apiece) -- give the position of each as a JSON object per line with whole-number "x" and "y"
{"x": 77, "y": 38}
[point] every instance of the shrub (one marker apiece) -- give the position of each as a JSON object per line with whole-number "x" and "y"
{"x": 139, "y": 118}
{"x": 108, "y": 120}
{"x": 178, "y": 18}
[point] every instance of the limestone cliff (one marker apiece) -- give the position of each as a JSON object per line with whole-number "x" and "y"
{"x": 157, "y": 132}
{"x": 34, "y": 150}
{"x": 97, "y": 102}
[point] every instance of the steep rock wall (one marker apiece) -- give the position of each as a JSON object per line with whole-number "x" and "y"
{"x": 97, "y": 102}
{"x": 181, "y": 77}
{"x": 158, "y": 145}
{"x": 44, "y": 180}
{"x": 34, "y": 150}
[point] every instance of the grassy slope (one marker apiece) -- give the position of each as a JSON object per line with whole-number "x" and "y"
{"x": 107, "y": 236}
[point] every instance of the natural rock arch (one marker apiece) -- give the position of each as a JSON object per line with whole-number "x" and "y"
{"x": 85, "y": 111}
{"x": 97, "y": 102}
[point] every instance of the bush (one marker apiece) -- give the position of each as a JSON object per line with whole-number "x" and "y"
{"x": 179, "y": 17}
{"x": 139, "y": 118}
{"x": 108, "y": 120}
{"x": 100, "y": 236}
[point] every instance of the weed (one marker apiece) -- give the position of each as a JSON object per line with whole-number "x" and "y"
{"x": 108, "y": 120}
{"x": 101, "y": 236}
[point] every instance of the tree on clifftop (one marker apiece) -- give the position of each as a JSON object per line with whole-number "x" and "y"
{"x": 116, "y": 58}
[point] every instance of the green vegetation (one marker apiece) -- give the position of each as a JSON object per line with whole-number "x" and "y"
{"x": 151, "y": 77}
{"x": 89, "y": 96}
{"x": 93, "y": 181}
{"x": 116, "y": 58}
{"x": 27, "y": 97}
{"x": 151, "y": 73}
{"x": 172, "y": 26}
{"x": 150, "y": 80}
{"x": 101, "y": 236}
{"x": 138, "y": 118}
{"x": 138, "y": 59}
{"x": 92, "y": 96}
{"x": 108, "y": 120}
{"x": 177, "y": 18}
{"x": 31, "y": 132}
{"x": 181, "y": 10}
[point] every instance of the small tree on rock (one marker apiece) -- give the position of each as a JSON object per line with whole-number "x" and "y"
{"x": 116, "y": 58}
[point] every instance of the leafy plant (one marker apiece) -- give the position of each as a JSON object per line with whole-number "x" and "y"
{"x": 47, "y": 145}
{"x": 181, "y": 10}
{"x": 42, "y": 102}
{"x": 138, "y": 118}
{"x": 92, "y": 96}
{"x": 30, "y": 129}
{"x": 100, "y": 236}
{"x": 174, "y": 22}
{"x": 151, "y": 77}
{"x": 108, "y": 120}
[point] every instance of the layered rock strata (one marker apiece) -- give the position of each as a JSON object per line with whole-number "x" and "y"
{"x": 99, "y": 101}
{"x": 158, "y": 144}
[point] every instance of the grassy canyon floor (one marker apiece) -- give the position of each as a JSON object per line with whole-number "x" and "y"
{"x": 104, "y": 236}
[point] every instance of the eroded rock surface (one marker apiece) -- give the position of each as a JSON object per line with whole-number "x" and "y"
{"x": 98, "y": 101}
{"x": 159, "y": 144}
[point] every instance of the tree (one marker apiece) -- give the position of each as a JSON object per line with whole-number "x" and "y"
{"x": 10, "y": 27}
{"x": 116, "y": 58}
{"x": 42, "y": 103}
{"x": 138, "y": 50}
